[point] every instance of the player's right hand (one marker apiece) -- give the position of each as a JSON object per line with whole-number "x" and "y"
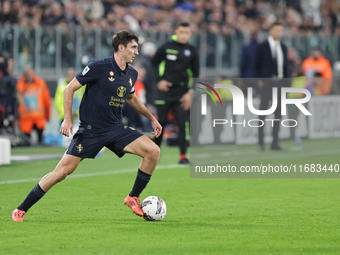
{"x": 164, "y": 85}
{"x": 157, "y": 128}
{"x": 66, "y": 128}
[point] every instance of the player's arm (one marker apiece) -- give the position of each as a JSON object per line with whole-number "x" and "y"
{"x": 136, "y": 104}
{"x": 67, "y": 125}
{"x": 195, "y": 68}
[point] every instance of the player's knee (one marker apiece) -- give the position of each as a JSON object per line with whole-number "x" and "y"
{"x": 64, "y": 172}
{"x": 61, "y": 175}
{"x": 156, "y": 151}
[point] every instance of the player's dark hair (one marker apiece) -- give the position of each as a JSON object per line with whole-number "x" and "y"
{"x": 123, "y": 37}
{"x": 275, "y": 24}
{"x": 182, "y": 24}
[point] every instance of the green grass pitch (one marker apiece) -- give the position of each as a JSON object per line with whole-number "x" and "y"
{"x": 85, "y": 213}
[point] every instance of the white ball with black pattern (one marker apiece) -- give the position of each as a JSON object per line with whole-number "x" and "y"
{"x": 154, "y": 208}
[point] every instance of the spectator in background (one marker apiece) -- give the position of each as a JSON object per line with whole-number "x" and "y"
{"x": 34, "y": 103}
{"x": 56, "y": 16}
{"x": 213, "y": 31}
{"x": 4, "y": 64}
{"x": 317, "y": 63}
{"x": 315, "y": 83}
{"x": 6, "y": 15}
{"x": 271, "y": 62}
{"x": 247, "y": 57}
{"x": 247, "y": 61}
{"x": 311, "y": 9}
{"x": 294, "y": 62}
{"x": 148, "y": 51}
{"x": 298, "y": 81}
{"x": 162, "y": 15}
{"x": 69, "y": 11}
{"x": 59, "y": 96}
{"x": 7, "y": 92}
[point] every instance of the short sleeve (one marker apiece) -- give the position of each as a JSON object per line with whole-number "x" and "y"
{"x": 133, "y": 89}
{"x": 134, "y": 79}
{"x": 88, "y": 75}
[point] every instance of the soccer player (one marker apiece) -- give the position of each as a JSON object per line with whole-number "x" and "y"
{"x": 109, "y": 84}
{"x": 177, "y": 62}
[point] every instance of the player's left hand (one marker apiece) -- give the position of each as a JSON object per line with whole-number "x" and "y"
{"x": 157, "y": 128}
{"x": 186, "y": 101}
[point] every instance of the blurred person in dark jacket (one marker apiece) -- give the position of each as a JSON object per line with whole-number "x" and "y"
{"x": 271, "y": 63}
{"x": 247, "y": 57}
{"x": 148, "y": 51}
{"x": 247, "y": 61}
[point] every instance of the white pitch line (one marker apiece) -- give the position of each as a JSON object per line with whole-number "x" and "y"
{"x": 123, "y": 171}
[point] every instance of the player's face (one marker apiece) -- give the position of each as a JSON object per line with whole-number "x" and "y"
{"x": 276, "y": 32}
{"x": 130, "y": 51}
{"x": 183, "y": 34}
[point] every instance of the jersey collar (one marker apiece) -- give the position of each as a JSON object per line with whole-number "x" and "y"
{"x": 117, "y": 68}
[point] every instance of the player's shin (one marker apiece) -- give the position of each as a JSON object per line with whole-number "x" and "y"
{"x": 34, "y": 196}
{"x": 141, "y": 181}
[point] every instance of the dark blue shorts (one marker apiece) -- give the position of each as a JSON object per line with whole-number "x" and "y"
{"x": 87, "y": 141}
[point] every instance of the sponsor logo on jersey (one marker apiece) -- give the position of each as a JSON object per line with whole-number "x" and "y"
{"x": 117, "y": 102}
{"x": 121, "y": 91}
{"x": 171, "y": 57}
{"x": 111, "y": 79}
{"x": 86, "y": 69}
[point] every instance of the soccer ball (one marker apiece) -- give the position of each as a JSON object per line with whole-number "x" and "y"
{"x": 154, "y": 208}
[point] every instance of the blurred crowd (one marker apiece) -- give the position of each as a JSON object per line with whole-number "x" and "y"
{"x": 225, "y": 16}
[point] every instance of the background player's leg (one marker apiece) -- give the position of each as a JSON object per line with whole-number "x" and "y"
{"x": 182, "y": 120}
{"x": 66, "y": 166}
{"x": 163, "y": 109}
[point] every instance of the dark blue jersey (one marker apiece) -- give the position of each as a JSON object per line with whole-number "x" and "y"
{"x": 107, "y": 87}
